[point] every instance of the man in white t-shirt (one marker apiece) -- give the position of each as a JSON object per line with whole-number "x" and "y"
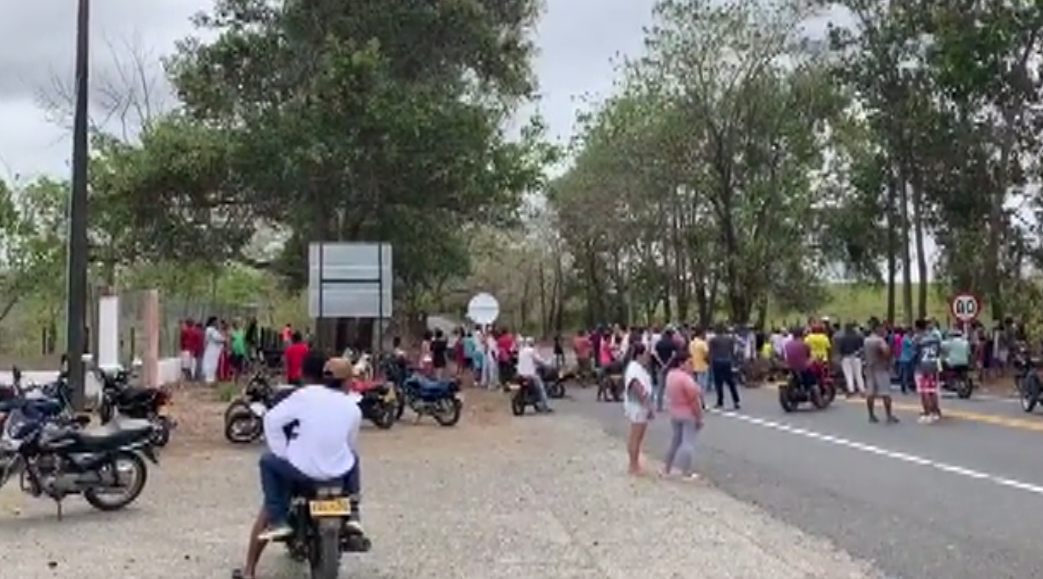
{"x": 326, "y": 420}
{"x": 637, "y": 403}
{"x": 529, "y": 363}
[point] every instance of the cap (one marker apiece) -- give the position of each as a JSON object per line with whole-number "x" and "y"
{"x": 338, "y": 368}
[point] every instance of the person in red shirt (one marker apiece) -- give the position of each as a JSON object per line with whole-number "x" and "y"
{"x": 185, "y": 341}
{"x": 293, "y": 357}
{"x": 581, "y": 346}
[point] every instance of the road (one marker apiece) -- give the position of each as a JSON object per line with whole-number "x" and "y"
{"x": 957, "y": 499}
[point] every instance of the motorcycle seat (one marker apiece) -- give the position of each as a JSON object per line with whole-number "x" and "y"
{"x": 109, "y": 438}
{"x": 307, "y": 490}
{"x": 135, "y": 394}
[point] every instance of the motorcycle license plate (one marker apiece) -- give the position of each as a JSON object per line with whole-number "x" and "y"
{"x": 329, "y": 508}
{"x": 257, "y": 408}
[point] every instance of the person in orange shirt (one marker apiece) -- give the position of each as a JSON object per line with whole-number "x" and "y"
{"x": 699, "y": 354}
{"x": 293, "y": 356}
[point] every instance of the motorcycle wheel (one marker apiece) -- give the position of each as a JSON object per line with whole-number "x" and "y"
{"x": 235, "y": 406}
{"x": 787, "y": 403}
{"x": 829, "y": 394}
{"x": 518, "y": 404}
{"x": 448, "y": 412}
{"x": 384, "y": 415}
{"x": 556, "y": 390}
{"x": 1030, "y": 392}
{"x": 160, "y": 431}
{"x": 99, "y": 500}
{"x": 964, "y": 388}
{"x": 243, "y": 428}
{"x": 817, "y": 399}
{"x": 325, "y": 557}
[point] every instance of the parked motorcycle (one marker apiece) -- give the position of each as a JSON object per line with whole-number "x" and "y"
{"x": 378, "y": 402}
{"x": 523, "y": 394}
{"x": 317, "y": 517}
{"x": 243, "y": 417}
{"x": 55, "y": 457}
{"x": 135, "y": 402}
{"x": 439, "y": 399}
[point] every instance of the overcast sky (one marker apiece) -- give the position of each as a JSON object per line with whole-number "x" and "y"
{"x": 577, "y": 40}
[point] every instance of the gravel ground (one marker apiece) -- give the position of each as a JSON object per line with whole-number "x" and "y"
{"x": 537, "y": 497}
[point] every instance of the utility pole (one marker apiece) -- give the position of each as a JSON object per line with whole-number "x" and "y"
{"x": 76, "y": 306}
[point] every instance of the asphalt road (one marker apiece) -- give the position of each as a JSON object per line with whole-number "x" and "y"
{"x": 957, "y": 499}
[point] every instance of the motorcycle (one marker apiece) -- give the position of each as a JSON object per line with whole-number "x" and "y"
{"x": 317, "y": 517}
{"x": 440, "y": 399}
{"x": 959, "y": 382}
{"x": 1028, "y": 382}
{"x": 820, "y": 392}
{"x": 378, "y": 402}
{"x": 55, "y": 457}
{"x": 135, "y": 402}
{"x": 243, "y": 417}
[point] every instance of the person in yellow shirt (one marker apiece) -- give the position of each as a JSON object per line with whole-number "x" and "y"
{"x": 818, "y": 343}
{"x": 699, "y": 353}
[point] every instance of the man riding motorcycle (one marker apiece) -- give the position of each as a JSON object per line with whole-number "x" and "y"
{"x": 529, "y": 362}
{"x": 797, "y": 356}
{"x": 326, "y": 420}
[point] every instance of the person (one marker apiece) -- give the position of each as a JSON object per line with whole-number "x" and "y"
{"x": 581, "y": 347}
{"x": 286, "y": 334}
{"x": 906, "y": 362}
{"x": 490, "y": 366}
{"x": 957, "y": 353}
{"x": 796, "y": 354}
{"x": 529, "y": 362}
{"x": 439, "y": 354}
{"x": 327, "y": 420}
{"x": 699, "y": 354}
{"x": 185, "y": 340}
{"x": 686, "y": 415}
{"x": 505, "y": 349}
{"x": 199, "y": 348}
{"x": 663, "y": 352}
{"x": 470, "y": 354}
{"x": 559, "y": 351}
{"x": 214, "y": 342}
{"x": 425, "y": 347}
{"x": 637, "y": 404}
{"x": 293, "y": 357}
{"x": 878, "y": 369}
{"x": 849, "y": 344}
{"x": 927, "y": 357}
{"x": 818, "y": 342}
{"x": 722, "y": 349}
{"x": 239, "y": 352}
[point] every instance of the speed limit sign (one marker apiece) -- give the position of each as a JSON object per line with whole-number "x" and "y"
{"x": 965, "y": 307}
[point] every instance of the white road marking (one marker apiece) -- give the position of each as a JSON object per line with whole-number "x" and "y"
{"x": 894, "y": 455}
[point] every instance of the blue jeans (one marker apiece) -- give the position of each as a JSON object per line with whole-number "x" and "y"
{"x": 905, "y": 375}
{"x": 541, "y": 390}
{"x": 279, "y": 477}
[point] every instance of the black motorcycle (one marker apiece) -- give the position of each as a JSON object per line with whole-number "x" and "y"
{"x": 244, "y": 415}
{"x": 318, "y": 517}
{"x": 799, "y": 391}
{"x": 379, "y": 404}
{"x": 56, "y": 458}
{"x": 137, "y": 402}
{"x": 1027, "y": 380}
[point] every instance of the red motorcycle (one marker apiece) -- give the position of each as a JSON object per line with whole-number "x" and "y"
{"x": 825, "y": 380}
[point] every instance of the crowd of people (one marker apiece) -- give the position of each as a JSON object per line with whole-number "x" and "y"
{"x": 219, "y": 351}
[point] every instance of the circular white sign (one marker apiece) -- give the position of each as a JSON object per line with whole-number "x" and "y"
{"x": 965, "y": 307}
{"x": 483, "y": 309}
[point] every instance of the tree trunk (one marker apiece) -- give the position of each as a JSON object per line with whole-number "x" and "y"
{"x": 921, "y": 252}
{"x": 892, "y": 244}
{"x": 907, "y": 266}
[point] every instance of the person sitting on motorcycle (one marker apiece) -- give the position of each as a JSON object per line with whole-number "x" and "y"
{"x": 326, "y": 420}
{"x": 957, "y": 354}
{"x": 529, "y": 363}
{"x": 797, "y": 357}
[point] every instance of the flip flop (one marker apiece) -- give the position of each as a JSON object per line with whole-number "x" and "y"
{"x": 238, "y": 574}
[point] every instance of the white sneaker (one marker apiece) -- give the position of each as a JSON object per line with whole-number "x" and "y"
{"x": 924, "y": 419}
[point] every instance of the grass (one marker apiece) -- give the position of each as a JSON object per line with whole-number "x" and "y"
{"x": 854, "y": 302}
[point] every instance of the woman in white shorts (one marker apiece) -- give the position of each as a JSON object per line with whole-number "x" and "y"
{"x": 637, "y": 404}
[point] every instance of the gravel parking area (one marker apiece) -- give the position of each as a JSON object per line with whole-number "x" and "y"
{"x": 496, "y": 497}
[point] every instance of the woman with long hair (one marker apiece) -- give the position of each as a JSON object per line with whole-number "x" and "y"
{"x": 637, "y": 405}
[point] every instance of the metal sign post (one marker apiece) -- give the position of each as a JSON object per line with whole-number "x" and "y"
{"x": 350, "y": 280}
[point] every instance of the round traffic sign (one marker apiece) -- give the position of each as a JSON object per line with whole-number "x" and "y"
{"x": 965, "y": 307}
{"x": 483, "y": 309}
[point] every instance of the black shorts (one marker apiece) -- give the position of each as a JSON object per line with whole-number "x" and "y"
{"x": 439, "y": 362}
